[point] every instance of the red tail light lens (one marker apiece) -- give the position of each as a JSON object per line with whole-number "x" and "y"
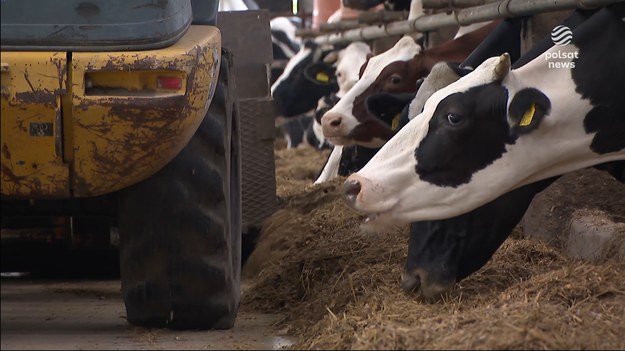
{"x": 171, "y": 83}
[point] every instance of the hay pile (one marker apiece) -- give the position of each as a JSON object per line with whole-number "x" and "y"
{"x": 339, "y": 288}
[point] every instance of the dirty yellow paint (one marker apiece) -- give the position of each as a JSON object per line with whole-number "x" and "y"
{"x": 32, "y": 163}
{"x": 118, "y": 125}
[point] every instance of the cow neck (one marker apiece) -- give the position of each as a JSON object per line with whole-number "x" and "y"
{"x": 457, "y": 50}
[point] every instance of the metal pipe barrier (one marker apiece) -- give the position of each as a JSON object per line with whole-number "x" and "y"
{"x": 488, "y": 12}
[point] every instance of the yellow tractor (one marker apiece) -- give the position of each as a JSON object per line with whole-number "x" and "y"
{"x": 120, "y": 123}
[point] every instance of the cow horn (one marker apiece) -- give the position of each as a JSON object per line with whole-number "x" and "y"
{"x": 503, "y": 66}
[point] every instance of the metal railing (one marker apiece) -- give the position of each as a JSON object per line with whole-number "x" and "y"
{"x": 465, "y": 16}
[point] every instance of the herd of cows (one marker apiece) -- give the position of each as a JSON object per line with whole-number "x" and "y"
{"x": 456, "y": 139}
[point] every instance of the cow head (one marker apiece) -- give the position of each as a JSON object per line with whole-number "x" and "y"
{"x": 315, "y": 134}
{"x": 303, "y": 83}
{"x": 394, "y": 71}
{"x": 443, "y": 252}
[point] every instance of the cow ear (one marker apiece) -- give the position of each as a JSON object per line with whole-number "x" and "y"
{"x": 320, "y": 73}
{"x": 527, "y": 109}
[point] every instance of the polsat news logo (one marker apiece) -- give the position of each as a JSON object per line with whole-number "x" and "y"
{"x": 561, "y": 36}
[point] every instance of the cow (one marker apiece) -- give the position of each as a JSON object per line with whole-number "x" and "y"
{"x": 340, "y": 66}
{"x": 443, "y": 252}
{"x": 314, "y": 134}
{"x": 284, "y": 43}
{"x": 498, "y": 129}
{"x": 298, "y": 89}
{"x": 316, "y": 71}
{"x": 394, "y": 71}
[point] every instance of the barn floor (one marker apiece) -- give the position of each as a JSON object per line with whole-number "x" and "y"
{"x": 339, "y": 288}
{"x": 89, "y": 314}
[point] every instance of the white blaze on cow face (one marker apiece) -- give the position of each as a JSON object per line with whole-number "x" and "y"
{"x": 404, "y": 50}
{"x": 398, "y": 186}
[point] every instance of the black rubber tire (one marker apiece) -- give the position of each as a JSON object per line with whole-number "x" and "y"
{"x": 180, "y": 230}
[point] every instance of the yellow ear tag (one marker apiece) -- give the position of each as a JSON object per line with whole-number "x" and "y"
{"x": 395, "y": 122}
{"x": 527, "y": 116}
{"x": 322, "y": 77}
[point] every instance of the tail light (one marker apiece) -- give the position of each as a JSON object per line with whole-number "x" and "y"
{"x": 135, "y": 83}
{"x": 169, "y": 83}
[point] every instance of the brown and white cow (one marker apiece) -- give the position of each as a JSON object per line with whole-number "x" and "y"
{"x": 394, "y": 71}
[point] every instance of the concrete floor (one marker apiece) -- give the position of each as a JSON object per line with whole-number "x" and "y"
{"x": 90, "y": 315}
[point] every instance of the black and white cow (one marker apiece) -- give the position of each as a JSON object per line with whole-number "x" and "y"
{"x": 497, "y": 129}
{"x": 314, "y": 134}
{"x": 284, "y": 43}
{"x": 340, "y": 66}
{"x": 298, "y": 89}
{"x": 443, "y": 252}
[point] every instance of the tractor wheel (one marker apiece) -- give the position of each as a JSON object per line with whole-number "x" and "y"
{"x": 180, "y": 230}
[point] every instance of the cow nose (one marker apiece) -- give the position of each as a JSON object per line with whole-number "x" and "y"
{"x": 410, "y": 281}
{"x": 351, "y": 189}
{"x": 331, "y": 123}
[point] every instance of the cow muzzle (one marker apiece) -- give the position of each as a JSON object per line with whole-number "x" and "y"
{"x": 419, "y": 281}
{"x": 334, "y": 128}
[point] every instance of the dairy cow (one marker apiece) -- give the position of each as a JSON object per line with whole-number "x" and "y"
{"x": 315, "y": 72}
{"x": 284, "y": 43}
{"x": 344, "y": 65}
{"x": 442, "y": 252}
{"x": 394, "y": 71}
{"x": 497, "y": 129}
{"x": 346, "y": 69}
{"x": 299, "y": 87}
{"x": 314, "y": 134}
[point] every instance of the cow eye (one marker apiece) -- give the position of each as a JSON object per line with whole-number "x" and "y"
{"x": 338, "y": 74}
{"x": 395, "y": 79}
{"x": 454, "y": 119}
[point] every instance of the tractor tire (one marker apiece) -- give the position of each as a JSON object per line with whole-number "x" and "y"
{"x": 180, "y": 230}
